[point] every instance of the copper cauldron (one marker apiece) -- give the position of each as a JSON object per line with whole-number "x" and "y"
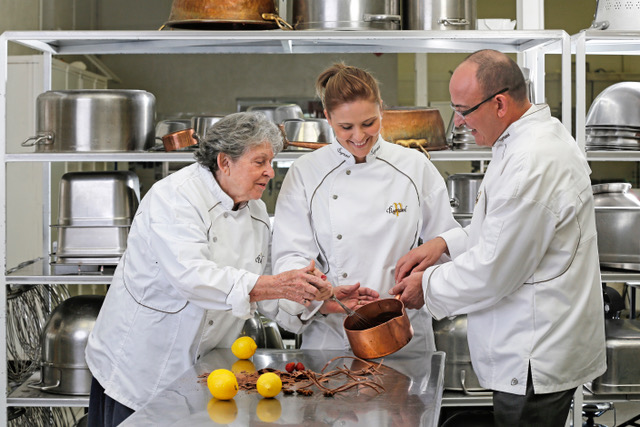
{"x": 392, "y": 331}
{"x": 178, "y": 140}
{"x": 418, "y": 127}
{"x": 221, "y": 15}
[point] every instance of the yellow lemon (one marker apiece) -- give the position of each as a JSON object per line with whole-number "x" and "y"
{"x": 269, "y": 384}
{"x": 243, "y": 366}
{"x": 222, "y": 411}
{"x": 222, "y": 384}
{"x": 243, "y": 347}
{"x": 269, "y": 410}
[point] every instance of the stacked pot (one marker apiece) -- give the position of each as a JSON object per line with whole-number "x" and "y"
{"x": 463, "y": 190}
{"x": 95, "y": 214}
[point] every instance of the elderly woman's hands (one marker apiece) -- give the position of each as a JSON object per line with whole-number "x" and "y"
{"x": 301, "y": 286}
{"x": 352, "y": 296}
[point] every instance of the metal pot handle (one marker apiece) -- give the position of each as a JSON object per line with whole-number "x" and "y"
{"x": 284, "y": 25}
{"x": 381, "y": 18}
{"x": 45, "y": 138}
{"x": 37, "y": 386}
{"x": 460, "y": 22}
{"x": 599, "y": 25}
{"x": 455, "y": 203}
{"x": 463, "y": 375}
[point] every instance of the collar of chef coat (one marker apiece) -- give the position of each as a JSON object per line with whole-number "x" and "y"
{"x": 540, "y": 112}
{"x": 218, "y": 192}
{"x": 349, "y": 159}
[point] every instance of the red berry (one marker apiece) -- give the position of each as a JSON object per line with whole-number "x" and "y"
{"x": 290, "y": 366}
{"x": 299, "y": 366}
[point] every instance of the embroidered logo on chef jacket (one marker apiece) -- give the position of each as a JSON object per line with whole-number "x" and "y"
{"x": 260, "y": 258}
{"x": 396, "y": 209}
{"x": 341, "y": 152}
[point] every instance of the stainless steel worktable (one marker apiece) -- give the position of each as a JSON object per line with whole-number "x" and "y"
{"x": 412, "y": 396}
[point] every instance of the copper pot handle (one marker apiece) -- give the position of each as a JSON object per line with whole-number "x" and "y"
{"x": 284, "y": 25}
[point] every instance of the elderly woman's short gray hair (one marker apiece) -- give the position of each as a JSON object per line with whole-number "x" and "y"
{"x": 234, "y": 135}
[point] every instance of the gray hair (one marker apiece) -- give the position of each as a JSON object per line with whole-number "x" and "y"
{"x": 234, "y": 135}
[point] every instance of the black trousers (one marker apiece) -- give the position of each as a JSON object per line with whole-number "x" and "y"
{"x": 532, "y": 410}
{"x": 103, "y": 410}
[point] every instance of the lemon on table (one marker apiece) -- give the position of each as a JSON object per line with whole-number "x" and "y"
{"x": 269, "y": 384}
{"x": 243, "y": 366}
{"x": 222, "y": 411}
{"x": 244, "y": 347}
{"x": 222, "y": 384}
{"x": 269, "y": 410}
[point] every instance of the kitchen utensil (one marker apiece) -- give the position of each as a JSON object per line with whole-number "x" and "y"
{"x": 623, "y": 372}
{"x": 393, "y": 330}
{"x": 308, "y": 130}
{"x": 221, "y": 15}
{"x": 439, "y": 15}
{"x": 64, "y": 338}
{"x": 95, "y": 212}
{"x": 450, "y": 334}
{"x": 359, "y": 321}
{"x": 616, "y": 106}
{"x": 179, "y": 140}
{"x": 414, "y": 123}
{"x": 618, "y": 225}
{"x": 93, "y": 120}
{"x": 165, "y": 127}
{"x": 346, "y": 15}
{"x": 616, "y": 15}
{"x": 201, "y": 124}
{"x": 463, "y": 190}
{"x": 278, "y": 113}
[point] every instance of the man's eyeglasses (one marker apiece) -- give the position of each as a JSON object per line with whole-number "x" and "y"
{"x": 465, "y": 113}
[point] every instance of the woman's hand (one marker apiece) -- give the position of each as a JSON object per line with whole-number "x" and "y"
{"x": 410, "y": 290}
{"x": 420, "y": 258}
{"x": 353, "y": 296}
{"x": 302, "y": 286}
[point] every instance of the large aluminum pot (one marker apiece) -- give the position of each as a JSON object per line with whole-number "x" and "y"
{"x": 64, "y": 338}
{"x": 94, "y": 120}
{"x": 347, "y": 15}
{"x": 221, "y": 14}
{"x": 421, "y": 124}
{"x": 450, "y": 336}
{"x": 615, "y": 15}
{"x": 623, "y": 371}
{"x": 391, "y": 332}
{"x": 439, "y": 15}
{"x": 463, "y": 191}
{"x": 618, "y": 225}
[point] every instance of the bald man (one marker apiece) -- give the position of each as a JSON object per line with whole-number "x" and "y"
{"x": 526, "y": 270}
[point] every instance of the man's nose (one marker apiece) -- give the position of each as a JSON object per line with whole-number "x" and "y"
{"x": 458, "y": 120}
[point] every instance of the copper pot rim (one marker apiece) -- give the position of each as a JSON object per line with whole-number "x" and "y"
{"x": 362, "y": 310}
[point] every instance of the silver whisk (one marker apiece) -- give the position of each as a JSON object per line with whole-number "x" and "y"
{"x": 361, "y": 322}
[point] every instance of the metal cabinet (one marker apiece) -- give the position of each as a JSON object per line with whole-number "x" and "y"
{"x": 532, "y": 46}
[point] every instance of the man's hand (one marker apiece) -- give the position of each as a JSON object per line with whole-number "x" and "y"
{"x": 420, "y": 258}
{"x": 353, "y": 296}
{"x": 410, "y": 290}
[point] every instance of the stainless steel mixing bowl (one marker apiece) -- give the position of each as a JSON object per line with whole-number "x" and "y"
{"x": 617, "y": 106}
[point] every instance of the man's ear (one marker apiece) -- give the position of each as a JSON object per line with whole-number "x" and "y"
{"x": 503, "y": 104}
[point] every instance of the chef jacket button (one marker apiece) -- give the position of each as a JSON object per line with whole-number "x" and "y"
{"x": 348, "y": 171}
{"x": 335, "y": 196}
{"x": 210, "y": 322}
{"x": 215, "y": 239}
{"x": 339, "y": 236}
{"x": 514, "y": 381}
{"x": 226, "y": 214}
{"x": 198, "y": 358}
{"x": 344, "y": 275}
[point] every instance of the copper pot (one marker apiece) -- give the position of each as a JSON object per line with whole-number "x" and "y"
{"x": 414, "y": 126}
{"x": 392, "y": 331}
{"x": 179, "y": 139}
{"x": 221, "y": 14}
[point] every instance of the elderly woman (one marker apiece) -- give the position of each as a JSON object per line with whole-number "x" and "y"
{"x": 193, "y": 270}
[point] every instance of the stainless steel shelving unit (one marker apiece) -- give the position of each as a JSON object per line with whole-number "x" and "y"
{"x": 532, "y": 45}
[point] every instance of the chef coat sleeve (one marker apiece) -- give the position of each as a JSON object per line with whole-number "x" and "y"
{"x": 179, "y": 241}
{"x": 514, "y": 238}
{"x": 293, "y": 247}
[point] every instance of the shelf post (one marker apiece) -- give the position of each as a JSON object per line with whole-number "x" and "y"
{"x": 4, "y": 67}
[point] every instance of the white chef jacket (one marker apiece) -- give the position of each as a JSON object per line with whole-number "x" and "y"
{"x": 181, "y": 288}
{"x": 526, "y": 268}
{"x": 356, "y": 221}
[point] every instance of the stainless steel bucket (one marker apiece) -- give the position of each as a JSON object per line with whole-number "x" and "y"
{"x": 439, "y": 15}
{"x": 463, "y": 191}
{"x": 94, "y": 120}
{"x": 64, "y": 338}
